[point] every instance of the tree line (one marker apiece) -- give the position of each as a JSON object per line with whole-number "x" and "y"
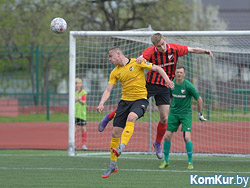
{"x": 25, "y": 22}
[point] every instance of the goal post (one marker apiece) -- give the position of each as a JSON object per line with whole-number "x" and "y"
{"x": 223, "y": 83}
{"x": 72, "y": 75}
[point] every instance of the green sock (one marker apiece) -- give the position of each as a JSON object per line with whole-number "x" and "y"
{"x": 189, "y": 148}
{"x": 167, "y": 145}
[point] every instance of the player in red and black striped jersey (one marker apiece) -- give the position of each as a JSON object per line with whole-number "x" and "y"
{"x": 166, "y": 56}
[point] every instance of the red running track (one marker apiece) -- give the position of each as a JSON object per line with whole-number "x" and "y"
{"x": 207, "y": 137}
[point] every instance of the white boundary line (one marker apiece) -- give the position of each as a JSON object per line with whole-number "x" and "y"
{"x": 175, "y": 154}
{"x": 127, "y": 170}
{"x": 105, "y": 155}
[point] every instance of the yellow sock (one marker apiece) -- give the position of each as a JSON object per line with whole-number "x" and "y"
{"x": 115, "y": 142}
{"x": 127, "y": 132}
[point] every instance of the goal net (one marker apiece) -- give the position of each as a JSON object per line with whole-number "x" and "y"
{"x": 223, "y": 83}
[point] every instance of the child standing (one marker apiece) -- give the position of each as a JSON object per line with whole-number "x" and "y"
{"x": 81, "y": 111}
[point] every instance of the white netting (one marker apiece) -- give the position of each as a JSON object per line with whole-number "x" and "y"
{"x": 223, "y": 82}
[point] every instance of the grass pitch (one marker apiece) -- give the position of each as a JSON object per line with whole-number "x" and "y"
{"x": 54, "y": 169}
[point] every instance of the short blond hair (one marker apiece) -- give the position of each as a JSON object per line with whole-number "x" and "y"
{"x": 78, "y": 80}
{"x": 155, "y": 38}
{"x": 116, "y": 49}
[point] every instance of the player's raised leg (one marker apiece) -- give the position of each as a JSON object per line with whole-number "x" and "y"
{"x": 104, "y": 122}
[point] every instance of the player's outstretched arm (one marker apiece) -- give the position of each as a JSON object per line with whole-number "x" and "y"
{"x": 200, "y": 51}
{"x": 160, "y": 70}
{"x": 199, "y": 107}
{"x": 105, "y": 97}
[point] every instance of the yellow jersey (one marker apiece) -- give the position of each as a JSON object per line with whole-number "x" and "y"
{"x": 132, "y": 79}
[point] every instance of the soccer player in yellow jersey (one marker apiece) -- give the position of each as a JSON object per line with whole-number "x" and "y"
{"x": 165, "y": 55}
{"x": 133, "y": 102}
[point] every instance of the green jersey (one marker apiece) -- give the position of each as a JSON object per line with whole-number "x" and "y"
{"x": 181, "y": 97}
{"x": 81, "y": 109}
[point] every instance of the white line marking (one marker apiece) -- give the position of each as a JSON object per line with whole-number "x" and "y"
{"x": 107, "y": 155}
{"x": 127, "y": 170}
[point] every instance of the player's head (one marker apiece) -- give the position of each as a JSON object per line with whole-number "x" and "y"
{"x": 180, "y": 73}
{"x": 159, "y": 42}
{"x": 78, "y": 83}
{"x": 115, "y": 55}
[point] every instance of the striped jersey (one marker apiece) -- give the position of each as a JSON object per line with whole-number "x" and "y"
{"x": 132, "y": 79}
{"x": 167, "y": 60}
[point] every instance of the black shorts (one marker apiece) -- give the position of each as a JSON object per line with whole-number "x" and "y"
{"x": 80, "y": 122}
{"x": 125, "y": 107}
{"x": 160, "y": 93}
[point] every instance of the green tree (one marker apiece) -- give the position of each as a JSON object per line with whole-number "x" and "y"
{"x": 26, "y": 23}
{"x": 183, "y": 15}
{"x": 171, "y": 15}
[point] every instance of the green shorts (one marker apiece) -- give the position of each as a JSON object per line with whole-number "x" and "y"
{"x": 174, "y": 121}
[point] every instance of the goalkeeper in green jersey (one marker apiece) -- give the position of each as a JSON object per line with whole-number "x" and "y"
{"x": 181, "y": 113}
{"x": 81, "y": 111}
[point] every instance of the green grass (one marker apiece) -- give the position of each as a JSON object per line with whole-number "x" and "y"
{"x": 54, "y": 169}
{"x": 215, "y": 115}
{"x": 35, "y": 118}
{"x": 58, "y": 117}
